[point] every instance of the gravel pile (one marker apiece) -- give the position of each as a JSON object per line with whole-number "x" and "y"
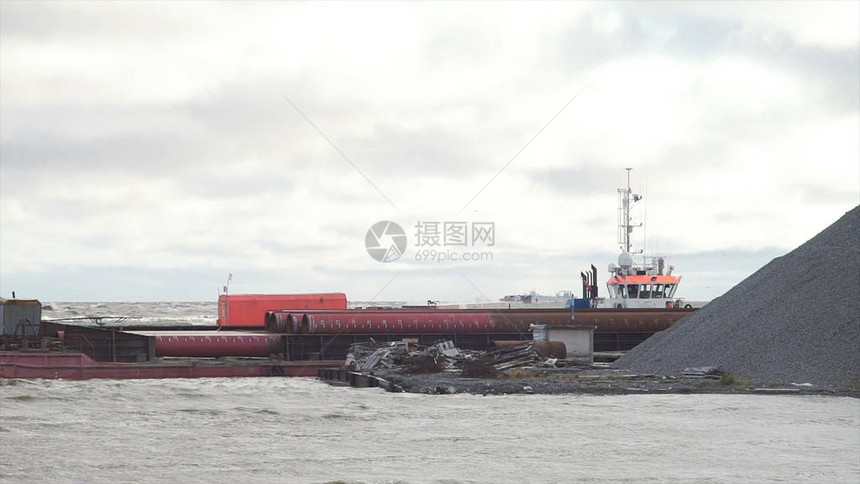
{"x": 793, "y": 321}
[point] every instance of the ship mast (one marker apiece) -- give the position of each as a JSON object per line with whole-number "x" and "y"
{"x": 625, "y": 228}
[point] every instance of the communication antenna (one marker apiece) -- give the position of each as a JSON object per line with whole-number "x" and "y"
{"x": 227, "y": 299}
{"x": 626, "y": 199}
{"x": 645, "y": 215}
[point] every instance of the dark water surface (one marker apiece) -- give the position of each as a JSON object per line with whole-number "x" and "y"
{"x": 301, "y": 430}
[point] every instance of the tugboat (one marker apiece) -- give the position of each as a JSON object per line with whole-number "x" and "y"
{"x": 643, "y": 283}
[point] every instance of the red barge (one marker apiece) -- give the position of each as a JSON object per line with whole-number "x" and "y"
{"x": 79, "y": 366}
{"x": 80, "y": 352}
{"x": 291, "y": 335}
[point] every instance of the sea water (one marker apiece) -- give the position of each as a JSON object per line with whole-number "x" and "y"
{"x": 299, "y": 430}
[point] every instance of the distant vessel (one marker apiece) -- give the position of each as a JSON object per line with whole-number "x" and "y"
{"x": 643, "y": 283}
{"x": 560, "y": 299}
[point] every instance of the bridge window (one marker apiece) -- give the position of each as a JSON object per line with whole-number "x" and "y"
{"x": 658, "y": 291}
{"x": 670, "y": 290}
{"x": 645, "y": 291}
{"x": 633, "y": 291}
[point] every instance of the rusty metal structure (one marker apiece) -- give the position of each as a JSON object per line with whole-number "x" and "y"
{"x": 20, "y": 321}
{"x": 328, "y": 334}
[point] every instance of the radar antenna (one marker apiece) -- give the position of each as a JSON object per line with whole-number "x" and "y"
{"x": 626, "y": 198}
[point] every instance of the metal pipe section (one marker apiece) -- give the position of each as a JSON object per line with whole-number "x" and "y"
{"x": 605, "y": 321}
{"x": 393, "y": 321}
{"x": 283, "y": 322}
{"x": 218, "y": 344}
{"x": 472, "y": 321}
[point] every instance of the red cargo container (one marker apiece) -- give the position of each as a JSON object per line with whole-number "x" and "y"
{"x": 249, "y": 310}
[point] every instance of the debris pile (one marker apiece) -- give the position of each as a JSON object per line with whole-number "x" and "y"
{"x": 508, "y": 357}
{"x": 505, "y": 358}
{"x": 793, "y": 321}
{"x": 370, "y": 356}
{"x": 366, "y": 356}
{"x": 703, "y": 372}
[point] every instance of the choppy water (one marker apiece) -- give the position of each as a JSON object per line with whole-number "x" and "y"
{"x": 166, "y": 313}
{"x": 298, "y": 430}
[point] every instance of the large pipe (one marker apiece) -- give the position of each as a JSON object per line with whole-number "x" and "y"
{"x": 217, "y": 344}
{"x": 393, "y": 321}
{"x": 283, "y": 322}
{"x": 480, "y": 321}
{"x": 605, "y": 321}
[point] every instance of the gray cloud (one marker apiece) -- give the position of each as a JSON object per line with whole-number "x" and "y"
{"x": 834, "y": 72}
{"x": 237, "y": 176}
{"x": 580, "y": 182}
{"x": 417, "y": 153}
{"x": 141, "y": 153}
{"x": 818, "y": 193}
{"x": 76, "y": 20}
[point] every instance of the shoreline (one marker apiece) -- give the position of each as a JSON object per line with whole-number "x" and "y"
{"x": 591, "y": 382}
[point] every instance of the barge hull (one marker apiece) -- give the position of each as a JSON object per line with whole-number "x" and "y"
{"x": 78, "y": 366}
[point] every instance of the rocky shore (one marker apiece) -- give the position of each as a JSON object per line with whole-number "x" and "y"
{"x": 797, "y": 319}
{"x": 591, "y": 382}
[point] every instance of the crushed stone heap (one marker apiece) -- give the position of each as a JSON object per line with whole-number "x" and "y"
{"x": 794, "y": 321}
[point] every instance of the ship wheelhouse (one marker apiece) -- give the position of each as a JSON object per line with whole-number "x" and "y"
{"x": 641, "y": 291}
{"x": 642, "y": 287}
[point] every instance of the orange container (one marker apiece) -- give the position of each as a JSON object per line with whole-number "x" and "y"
{"x": 249, "y": 310}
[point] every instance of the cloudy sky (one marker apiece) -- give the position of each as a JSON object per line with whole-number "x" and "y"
{"x": 147, "y": 149}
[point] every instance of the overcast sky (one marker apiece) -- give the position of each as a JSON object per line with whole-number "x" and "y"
{"x": 150, "y": 149}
